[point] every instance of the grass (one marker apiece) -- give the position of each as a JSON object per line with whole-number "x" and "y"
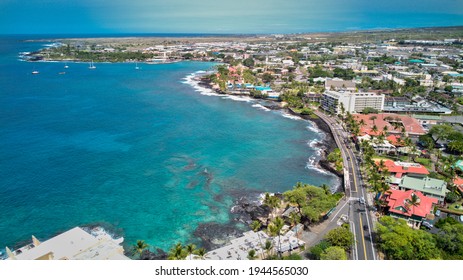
{"x": 424, "y": 161}
{"x": 456, "y": 206}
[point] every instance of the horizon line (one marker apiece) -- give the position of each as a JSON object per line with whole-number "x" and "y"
{"x": 186, "y": 34}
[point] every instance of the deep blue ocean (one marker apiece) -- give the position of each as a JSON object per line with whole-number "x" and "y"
{"x": 139, "y": 151}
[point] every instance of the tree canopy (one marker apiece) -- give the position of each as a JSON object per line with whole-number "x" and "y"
{"x": 400, "y": 242}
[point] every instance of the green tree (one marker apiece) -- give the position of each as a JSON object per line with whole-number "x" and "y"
{"x": 400, "y": 242}
{"x": 190, "y": 249}
{"x": 274, "y": 228}
{"x": 317, "y": 250}
{"x": 248, "y": 62}
{"x": 201, "y": 252}
{"x": 177, "y": 252}
{"x": 252, "y": 254}
{"x": 272, "y": 201}
{"x": 334, "y": 253}
{"x": 441, "y": 131}
{"x": 267, "y": 77}
{"x": 256, "y": 226}
{"x": 268, "y": 246}
{"x": 139, "y": 247}
{"x": 450, "y": 240}
{"x": 340, "y": 237}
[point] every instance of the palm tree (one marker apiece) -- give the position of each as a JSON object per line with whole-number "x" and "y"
{"x": 177, "y": 252}
{"x": 373, "y": 118}
{"x": 201, "y": 252}
{"x": 385, "y": 129}
{"x": 251, "y": 254}
{"x": 325, "y": 188}
{"x": 190, "y": 249}
{"x": 414, "y": 201}
{"x": 139, "y": 247}
{"x": 255, "y": 226}
{"x": 268, "y": 247}
{"x": 362, "y": 123}
{"x": 274, "y": 229}
{"x": 374, "y": 128}
{"x": 271, "y": 201}
{"x": 294, "y": 219}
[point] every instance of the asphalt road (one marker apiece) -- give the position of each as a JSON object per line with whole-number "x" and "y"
{"x": 360, "y": 218}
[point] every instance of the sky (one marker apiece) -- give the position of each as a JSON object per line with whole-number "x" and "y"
{"x": 222, "y": 17}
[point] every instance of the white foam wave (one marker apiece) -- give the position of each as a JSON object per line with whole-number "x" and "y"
{"x": 238, "y": 98}
{"x": 190, "y": 80}
{"x": 261, "y": 107}
{"x": 289, "y": 116}
{"x": 311, "y": 165}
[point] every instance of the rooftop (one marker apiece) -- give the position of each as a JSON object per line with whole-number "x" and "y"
{"x": 401, "y": 168}
{"x": 74, "y": 244}
{"x": 411, "y": 125}
{"x": 425, "y": 185}
{"x": 399, "y": 202}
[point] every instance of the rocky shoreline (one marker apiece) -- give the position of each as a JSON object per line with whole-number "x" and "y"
{"x": 248, "y": 207}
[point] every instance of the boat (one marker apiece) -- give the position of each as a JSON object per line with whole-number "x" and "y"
{"x": 35, "y": 72}
{"x": 62, "y": 73}
{"x": 136, "y": 66}
{"x": 66, "y": 66}
{"x": 91, "y": 65}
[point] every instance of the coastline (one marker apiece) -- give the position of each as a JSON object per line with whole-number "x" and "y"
{"x": 325, "y": 145}
{"x": 247, "y": 206}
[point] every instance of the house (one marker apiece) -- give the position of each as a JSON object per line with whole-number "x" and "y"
{"x": 398, "y": 169}
{"x": 458, "y": 182}
{"x": 74, "y": 244}
{"x": 400, "y": 204}
{"x": 428, "y": 186}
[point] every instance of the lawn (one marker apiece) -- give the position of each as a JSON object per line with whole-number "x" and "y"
{"x": 456, "y": 206}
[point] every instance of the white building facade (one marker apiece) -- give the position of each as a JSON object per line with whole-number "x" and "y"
{"x": 353, "y": 102}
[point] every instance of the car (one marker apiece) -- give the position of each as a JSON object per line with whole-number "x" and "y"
{"x": 427, "y": 225}
{"x": 461, "y": 218}
{"x": 362, "y": 200}
{"x": 365, "y": 227}
{"x": 437, "y": 213}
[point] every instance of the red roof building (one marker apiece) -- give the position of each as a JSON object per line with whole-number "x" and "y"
{"x": 458, "y": 182}
{"x": 399, "y": 204}
{"x": 393, "y": 122}
{"x": 399, "y": 169}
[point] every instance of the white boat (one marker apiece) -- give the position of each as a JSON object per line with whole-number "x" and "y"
{"x": 136, "y": 66}
{"x": 35, "y": 72}
{"x": 91, "y": 65}
{"x": 66, "y": 66}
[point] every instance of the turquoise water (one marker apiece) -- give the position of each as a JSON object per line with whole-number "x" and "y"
{"x": 138, "y": 150}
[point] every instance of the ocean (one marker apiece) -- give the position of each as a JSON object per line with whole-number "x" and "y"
{"x": 145, "y": 153}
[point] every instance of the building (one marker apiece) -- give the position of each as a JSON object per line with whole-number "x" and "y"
{"x": 428, "y": 186}
{"x": 337, "y": 84}
{"x": 74, "y": 244}
{"x": 239, "y": 248}
{"x": 314, "y": 97}
{"x": 395, "y": 124}
{"x": 400, "y": 204}
{"x": 353, "y": 102}
{"x": 398, "y": 169}
{"x": 394, "y": 102}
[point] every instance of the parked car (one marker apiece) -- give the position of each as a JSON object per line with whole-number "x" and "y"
{"x": 427, "y": 225}
{"x": 437, "y": 213}
{"x": 461, "y": 218}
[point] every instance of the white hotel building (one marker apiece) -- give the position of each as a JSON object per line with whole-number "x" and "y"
{"x": 353, "y": 102}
